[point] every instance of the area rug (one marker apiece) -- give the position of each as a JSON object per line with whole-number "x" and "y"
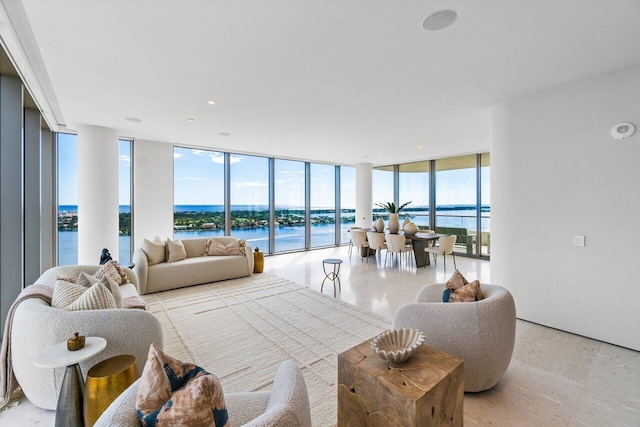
{"x": 242, "y": 329}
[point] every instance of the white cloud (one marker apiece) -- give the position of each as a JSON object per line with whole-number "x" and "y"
{"x": 198, "y": 152}
{"x": 177, "y": 155}
{"x": 124, "y": 159}
{"x": 191, "y": 178}
{"x": 249, "y": 184}
{"x": 217, "y": 158}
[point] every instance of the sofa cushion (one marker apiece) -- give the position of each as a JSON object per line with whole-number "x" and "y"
{"x": 195, "y": 271}
{"x": 73, "y": 297}
{"x": 112, "y": 270}
{"x": 175, "y": 250}
{"x": 467, "y": 293}
{"x": 172, "y": 392}
{"x": 154, "y": 249}
{"x": 456, "y": 281}
{"x": 87, "y": 280}
{"x": 213, "y": 247}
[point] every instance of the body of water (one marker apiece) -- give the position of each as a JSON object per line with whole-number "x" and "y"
{"x": 287, "y": 238}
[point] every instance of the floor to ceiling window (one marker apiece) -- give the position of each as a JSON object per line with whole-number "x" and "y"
{"x": 323, "y": 205}
{"x": 485, "y": 203}
{"x": 249, "y": 195}
{"x": 456, "y": 199}
{"x": 289, "y": 205}
{"x": 414, "y": 187}
{"x": 67, "y": 167}
{"x": 124, "y": 195}
{"x": 382, "y": 190}
{"x": 198, "y": 193}
{"x": 347, "y": 201}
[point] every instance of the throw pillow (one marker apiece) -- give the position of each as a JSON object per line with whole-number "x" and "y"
{"x": 456, "y": 281}
{"x": 87, "y": 280}
{"x": 175, "y": 250}
{"x": 467, "y": 293}
{"x": 446, "y": 294}
{"x": 112, "y": 270}
{"x": 215, "y": 248}
{"x": 154, "y": 249}
{"x": 172, "y": 392}
{"x": 73, "y": 297}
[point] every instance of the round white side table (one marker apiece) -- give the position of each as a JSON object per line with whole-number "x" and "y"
{"x": 69, "y": 409}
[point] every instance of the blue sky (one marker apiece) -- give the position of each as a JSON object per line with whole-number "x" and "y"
{"x": 68, "y": 170}
{"x": 199, "y": 180}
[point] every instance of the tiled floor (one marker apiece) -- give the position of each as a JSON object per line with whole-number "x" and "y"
{"x": 555, "y": 378}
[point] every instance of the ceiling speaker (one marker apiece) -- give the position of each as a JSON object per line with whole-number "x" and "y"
{"x": 623, "y": 130}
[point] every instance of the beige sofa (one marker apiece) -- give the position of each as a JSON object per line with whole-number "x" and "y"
{"x": 194, "y": 270}
{"x": 38, "y": 326}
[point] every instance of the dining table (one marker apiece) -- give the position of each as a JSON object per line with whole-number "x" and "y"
{"x": 419, "y": 241}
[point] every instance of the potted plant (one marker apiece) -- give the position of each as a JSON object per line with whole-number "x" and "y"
{"x": 394, "y": 224}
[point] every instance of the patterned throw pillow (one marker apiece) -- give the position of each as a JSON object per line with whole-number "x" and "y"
{"x": 73, "y": 297}
{"x": 467, "y": 293}
{"x": 215, "y": 248}
{"x": 154, "y": 249}
{"x": 175, "y": 250}
{"x": 456, "y": 281}
{"x": 172, "y": 392}
{"x": 112, "y": 270}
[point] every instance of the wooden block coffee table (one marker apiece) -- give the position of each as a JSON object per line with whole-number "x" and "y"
{"x": 426, "y": 390}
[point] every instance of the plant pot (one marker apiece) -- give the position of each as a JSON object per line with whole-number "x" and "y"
{"x": 394, "y": 224}
{"x": 379, "y": 225}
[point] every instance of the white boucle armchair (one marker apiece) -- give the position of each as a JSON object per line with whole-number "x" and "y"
{"x": 37, "y": 326}
{"x": 482, "y": 333}
{"x": 286, "y": 405}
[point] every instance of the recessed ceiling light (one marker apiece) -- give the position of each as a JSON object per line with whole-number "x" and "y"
{"x": 211, "y": 102}
{"x": 420, "y": 147}
{"x": 379, "y": 154}
{"x": 366, "y": 157}
{"x": 224, "y": 134}
{"x": 133, "y": 119}
{"x": 191, "y": 120}
{"x": 439, "y": 20}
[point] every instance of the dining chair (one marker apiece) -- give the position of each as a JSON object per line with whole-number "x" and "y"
{"x": 376, "y": 241}
{"x": 396, "y": 244}
{"x": 359, "y": 239}
{"x": 444, "y": 248}
{"x": 351, "y": 238}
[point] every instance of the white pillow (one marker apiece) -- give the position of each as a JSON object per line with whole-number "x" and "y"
{"x": 72, "y": 297}
{"x": 154, "y": 249}
{"x": 175, "y": 250}
{"x": 88, "y": 280}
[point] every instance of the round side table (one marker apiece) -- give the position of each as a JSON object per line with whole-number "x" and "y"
{"x": 333, "y": 274}
{"x": 106, "y": 381}
{"x": 69, "y": 409}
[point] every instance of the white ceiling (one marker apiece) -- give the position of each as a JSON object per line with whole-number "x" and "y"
{"x": 345, "y": 81}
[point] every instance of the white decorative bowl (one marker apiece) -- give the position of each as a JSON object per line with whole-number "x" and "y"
{"x": 397, "y": 345}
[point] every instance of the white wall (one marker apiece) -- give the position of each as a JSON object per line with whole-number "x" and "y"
{"x": 556, "y": 172}
{"x": 153, "y": 190}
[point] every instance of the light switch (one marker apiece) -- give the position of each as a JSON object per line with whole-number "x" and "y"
{"x": 578, "y": 240}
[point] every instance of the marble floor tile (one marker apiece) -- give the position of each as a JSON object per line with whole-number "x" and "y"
{"x": 555, "y": 378}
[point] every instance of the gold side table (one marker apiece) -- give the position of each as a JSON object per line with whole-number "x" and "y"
{"x": 106, "y": 381}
